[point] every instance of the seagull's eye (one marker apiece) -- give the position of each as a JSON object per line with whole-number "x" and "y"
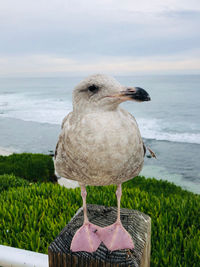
{"x": 93, "y": 88}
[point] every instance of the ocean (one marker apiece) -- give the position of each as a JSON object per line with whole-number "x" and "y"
{"x": 32, "y": 109}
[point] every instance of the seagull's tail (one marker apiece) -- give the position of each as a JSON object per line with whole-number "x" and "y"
{"x": 153, "y": 155}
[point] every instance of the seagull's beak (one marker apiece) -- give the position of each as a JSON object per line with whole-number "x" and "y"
{"x": 133, "y": 93}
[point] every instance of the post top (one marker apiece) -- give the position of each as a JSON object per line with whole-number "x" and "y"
{"x": 135, "y": 222}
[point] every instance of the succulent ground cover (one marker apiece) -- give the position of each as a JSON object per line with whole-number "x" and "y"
{"x": 33, "y": 213}
{"x": 32, "y": 167}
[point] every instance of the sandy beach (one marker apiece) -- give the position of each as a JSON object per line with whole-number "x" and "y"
{"x": 5, "y": 151}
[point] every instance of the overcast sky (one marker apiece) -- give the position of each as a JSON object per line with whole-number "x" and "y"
{"x": 71, "y": 37}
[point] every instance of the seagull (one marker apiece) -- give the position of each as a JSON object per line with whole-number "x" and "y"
{"x": 100, "y": 144}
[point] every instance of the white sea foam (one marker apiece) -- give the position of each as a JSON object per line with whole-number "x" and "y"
{"x": 33, "y": 109}
{"x": 155, "y": 129}
{"x": 52, "y": 110}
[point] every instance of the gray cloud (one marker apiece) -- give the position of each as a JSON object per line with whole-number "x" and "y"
{"x": 84, "y": 31}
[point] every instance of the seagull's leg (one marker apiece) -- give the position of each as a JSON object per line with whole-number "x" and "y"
{"x": 84, "y": 195}
{"x": 85, "y": 239}
{"x": 115, "y": 236}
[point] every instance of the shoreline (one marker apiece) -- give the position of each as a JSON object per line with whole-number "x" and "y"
{"x": 5, "y": 151}
{"x": 149, "y": 170}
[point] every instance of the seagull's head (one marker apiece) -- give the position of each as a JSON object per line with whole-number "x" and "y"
{"x": 102, "y": 92}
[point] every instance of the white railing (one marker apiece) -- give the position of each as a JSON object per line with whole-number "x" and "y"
{"x": 15, "y": 257}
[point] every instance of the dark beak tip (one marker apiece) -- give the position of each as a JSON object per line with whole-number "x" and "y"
{"x": 139, "y": 94}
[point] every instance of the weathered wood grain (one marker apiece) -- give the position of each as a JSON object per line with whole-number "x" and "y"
{"x": 136, "y": 223}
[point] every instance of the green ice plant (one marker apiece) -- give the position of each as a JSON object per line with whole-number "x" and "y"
{"x": 8, "y": 181}
{"x": 32, "y": 215}
{"x": 32, "y": 167}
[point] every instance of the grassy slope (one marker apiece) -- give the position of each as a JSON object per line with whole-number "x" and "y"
{"x": 33, "y": 215}
{"x": 32, "y": 167}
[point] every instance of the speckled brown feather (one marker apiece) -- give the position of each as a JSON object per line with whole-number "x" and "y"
{"x": 99, "y": 146}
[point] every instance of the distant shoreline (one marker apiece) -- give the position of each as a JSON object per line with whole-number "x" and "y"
{"x": 5, "y": 151}
{"x": 149, "y": 170}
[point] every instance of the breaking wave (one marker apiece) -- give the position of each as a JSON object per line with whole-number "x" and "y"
{"x": 154, "y": 129}
{"x": 53, "y": 110}
{"x": 32, "y": 109}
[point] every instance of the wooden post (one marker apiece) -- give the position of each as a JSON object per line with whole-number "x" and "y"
{"x": 136, "y": 223}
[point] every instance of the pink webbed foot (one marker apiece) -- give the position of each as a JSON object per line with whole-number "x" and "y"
{"x": 86, "y": 238}
{"x": 115, "y": 237}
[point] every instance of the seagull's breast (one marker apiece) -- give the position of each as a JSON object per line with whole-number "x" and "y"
{"x": 100, "y": 148}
